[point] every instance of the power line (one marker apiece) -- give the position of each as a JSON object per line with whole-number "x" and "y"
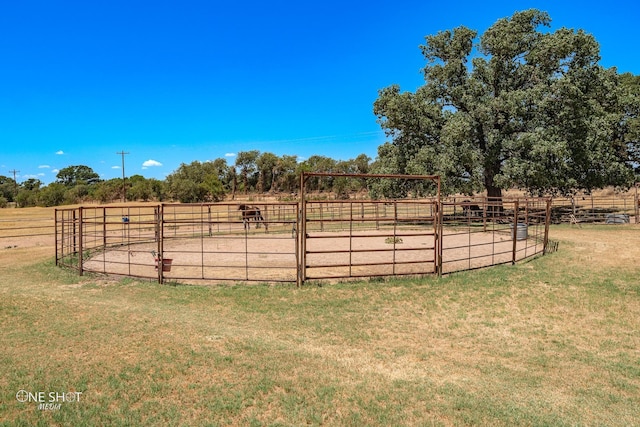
{"x": 124, "y": 188}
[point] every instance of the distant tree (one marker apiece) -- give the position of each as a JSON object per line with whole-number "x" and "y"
{"x": 265, "y": 164}
{"x": 31, "y": 184}
{"x": 158, "y": 189}
{"x": 362, "y": 163}
{"x": 140, "y": 189}
{"x": 212, "y": 188}
{"x": 531, "y": 109}
{"x": 284, "y": 174}
{"x": 232, "y": 181}
{"x": 27, "y": 198}
{"x": 389, "y": 161}
{"x": 28, "y": 193}
{"x": 73, "y": 175}
{"x": 246, "y": 162}
{"x": 107, "y": 191}
{"x": 196, "y": 182}
{"x": 76, "y": 194}
{"x": 52, "y": 195}
{"x": 317, "y": 164}
{"x": 8, "y": 188}
{"x": 221, "y": 169}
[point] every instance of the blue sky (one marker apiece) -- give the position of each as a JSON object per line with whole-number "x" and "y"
{"x": 171, "y": 82}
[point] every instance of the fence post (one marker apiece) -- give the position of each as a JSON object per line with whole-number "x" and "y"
{"x": 160, "y": 254}
{"x": 55, "y": 231}
{"x": 439, "y": 236}
{"x": 302, "y": 232}
{"x": 637, "y": 204}
{"x": 547, "y": 221}
{"x": 485, "y": 208}
{"x": 104, "y": 228}
{"x": 80, "y": 241}
{"x": 515, "y": 231}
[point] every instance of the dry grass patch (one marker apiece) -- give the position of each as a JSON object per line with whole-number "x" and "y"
{"x": 553, "y": 341}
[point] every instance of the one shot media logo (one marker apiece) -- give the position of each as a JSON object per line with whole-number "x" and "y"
{"x": 48, "y": 400}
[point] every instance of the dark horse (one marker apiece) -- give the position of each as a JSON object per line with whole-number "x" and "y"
{"x": 470, "y": 209}
{"x": 251, "y": 213}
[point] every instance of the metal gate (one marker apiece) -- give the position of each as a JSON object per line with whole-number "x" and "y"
{"x": 368, "y": 238}
{"x": 350, "y": 239}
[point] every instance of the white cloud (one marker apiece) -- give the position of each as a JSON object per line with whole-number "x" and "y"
{"x": 150, "y": 163}
{"x": 44, "y": 167}
{"x": 54, "y": 171}
{"x": 115, "y": 167}
{"x": 59, "y": 152}
{"x": 230, "y": 154}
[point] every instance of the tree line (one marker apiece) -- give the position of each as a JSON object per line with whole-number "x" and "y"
{"x": 209, "y": 181}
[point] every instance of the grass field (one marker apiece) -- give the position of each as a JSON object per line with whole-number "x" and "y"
{"x": 554, "y": 341}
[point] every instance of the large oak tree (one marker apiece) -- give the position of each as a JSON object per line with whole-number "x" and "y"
{"x": 517, "y": 106}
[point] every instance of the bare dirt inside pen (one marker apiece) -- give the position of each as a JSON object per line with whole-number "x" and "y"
{"x": 266, "y": 257}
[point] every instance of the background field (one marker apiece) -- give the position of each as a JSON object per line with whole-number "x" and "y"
{"x": 554, "y": 341}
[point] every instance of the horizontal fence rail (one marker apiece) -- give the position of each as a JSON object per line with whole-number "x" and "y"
{"x": 29, "y": 231}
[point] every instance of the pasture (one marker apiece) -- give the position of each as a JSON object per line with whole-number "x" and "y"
{"x": 552, "y": 341}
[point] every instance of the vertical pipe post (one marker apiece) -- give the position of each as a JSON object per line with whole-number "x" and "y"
{"x": 302, "y": 232}
{"x": 547, "y": 221}
{"x": 246, "y": 250}
{"x": 350, "y": 238}
{"x": 55, "y": 231}
{"x": 485, "y": 208}
{"x": 63, "y": 240}
{"x": 637, "y": 205}
{"x": 160, "y": 254}
{"x": 74, "y": 234}
{"x": 202, "y": 236}
{"x": 515, "y": 231}
{"x": 440, "y": 235}
{"x": 209, "y": 217}
{"x": 395, "y": 226}
{"x": 104, "y": 228}
{"x": 80, "y": 242}
{"x": 295, "y": 235}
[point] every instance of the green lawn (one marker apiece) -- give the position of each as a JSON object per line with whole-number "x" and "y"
{"x": 554, "y": 341}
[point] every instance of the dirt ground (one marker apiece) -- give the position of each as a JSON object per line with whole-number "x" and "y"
{"x": 272, "y": 257}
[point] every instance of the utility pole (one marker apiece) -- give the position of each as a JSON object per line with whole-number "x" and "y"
{"x": 14, "y": 172}
{"x": 124, "y": 188}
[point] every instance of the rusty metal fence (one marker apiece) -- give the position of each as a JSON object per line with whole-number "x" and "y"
{"x": 612, "y": 209}
{"x": 299, "y": 242}
{"x": 481, "y": 232}
{"x": 350, "y": 239}
{"x": 26, "y": 231}
{"x": 180, "y": 242}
